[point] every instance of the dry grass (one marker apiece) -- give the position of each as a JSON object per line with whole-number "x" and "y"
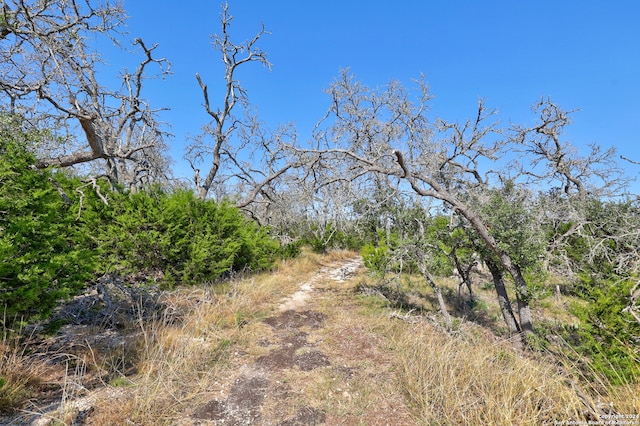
{"x": 464, "y": 379}
{"x": 597, "y": 389}
{"x": 18, "y": 374}
{"x": 381, "y": 367}
{"x": 182, "y": 363}
{"x": 167, "y": 364}
{"x": 469, "y": 376}
{"x": 25, "y": 375}
{"x": 625, "y": 399}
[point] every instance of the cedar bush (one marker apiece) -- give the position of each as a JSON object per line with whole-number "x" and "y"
{"x": 50, "y": 248}
{"x": 608, "y": 335}
{"x": 188, "y": 239}
{"x": 42, "y": 255}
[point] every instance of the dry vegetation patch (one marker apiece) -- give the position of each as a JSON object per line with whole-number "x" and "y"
{"x": 461, "y": 379}
{"x": 234, "y": 354}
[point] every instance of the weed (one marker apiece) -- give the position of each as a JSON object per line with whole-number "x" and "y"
{"x": 18, "y": 375}
{"x": 120, "y": 381}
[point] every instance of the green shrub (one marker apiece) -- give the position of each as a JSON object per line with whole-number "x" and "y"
{"x": 42, "y": 256}
{"x": 608, "y": 336}
{"x": 51, "y": 245}
{"x": 322, "y": 238}
{"x": 375, "y": 258}
{"x": 291, "y": 250}
{"x": 190, "y": 240}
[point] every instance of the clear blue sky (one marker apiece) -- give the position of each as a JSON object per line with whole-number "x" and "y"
{"x": 583, "y": 54}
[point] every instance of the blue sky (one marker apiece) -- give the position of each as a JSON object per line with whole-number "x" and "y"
{"x": 583, "y": 54}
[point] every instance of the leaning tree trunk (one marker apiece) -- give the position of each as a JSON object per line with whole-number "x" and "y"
{"x": 503, "y": 298}
{"x": 522, "y": 295}
{"x": 522, "y": 290}
{"x": 438, "y": 291}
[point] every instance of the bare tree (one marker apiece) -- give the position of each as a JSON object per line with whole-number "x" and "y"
{"x": 574, "y": 181}
{"x": 558, "y": 163}
{"x": 49, "y": 75}
{"x": 386, "y": 131}
{"x": 234, "y": 146}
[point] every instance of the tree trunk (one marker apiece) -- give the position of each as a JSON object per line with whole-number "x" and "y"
{"x": 464, "y": 273}
{"x": 202, "y": 193}
{"x": 503, "y": 298}
{"x": 443, "y": 306}
{"x": 522, "y": 290}
{"x": 522, "y": 296}
{"x": 524, "y": 312}
{"x": 438, "y": 291}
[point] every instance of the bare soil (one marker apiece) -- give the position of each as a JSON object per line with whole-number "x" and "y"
{"x": 290, "y": 350}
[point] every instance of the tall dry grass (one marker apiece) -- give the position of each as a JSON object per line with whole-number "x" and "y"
{"x": 18, "y": 374}
{"x": 463, "y": 379}
{"x": 25, "y": 374}
{"x": 604, "y": 396}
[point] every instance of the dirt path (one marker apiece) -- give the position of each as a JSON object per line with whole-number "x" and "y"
{"x": 320, "y": 358}
{"x": 317, "y": 363}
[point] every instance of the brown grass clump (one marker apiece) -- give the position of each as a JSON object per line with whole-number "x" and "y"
{"x": 26, "y": 375}
{"x": 464, "y": 379}
{"x": 18, "y": 374}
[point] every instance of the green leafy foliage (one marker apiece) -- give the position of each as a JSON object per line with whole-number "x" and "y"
{"x": 609, "y": 336}
{"x": 450, "y": 244}
{"x": 188, "y": 239}
{"x": 513, "y": 226}
{"x": 322, "y": 238}
{"x": 604, "y": 251}
{"x": 57, "y": 232}
{"x": 42, "y": 258}
{"x": 292, "y": 249}
{"x": 412, "y": 233}
{"x": 375, "y": 258}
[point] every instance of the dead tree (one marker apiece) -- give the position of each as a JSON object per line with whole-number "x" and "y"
{"x": 239, "y": 155}
{"x": 49, "y": 76}
{"x": 387, "y": 132}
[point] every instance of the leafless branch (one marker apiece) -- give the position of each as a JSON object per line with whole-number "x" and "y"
{"x": 48, "y": 74}
{"x": 234, "y": 147}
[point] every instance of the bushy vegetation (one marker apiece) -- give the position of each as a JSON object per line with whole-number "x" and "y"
{"x": 415, "y": 193}
{"x": 58, "y": 233}
{"x": 606, "y": 336}
{"x": 324, "y": 238}
{"x": 187, "y": 239}
{"x": 415, "y": 234}
{"x": 43, "y": 255}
